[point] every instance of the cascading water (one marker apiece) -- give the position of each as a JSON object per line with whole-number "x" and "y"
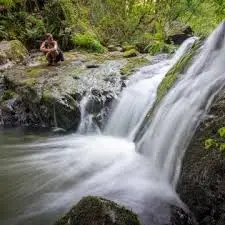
{"x": 138, "y": 98}
{"x": 176, "y": 119}
{"x": 44, "y": 179}
{"x": 87, "y": 125}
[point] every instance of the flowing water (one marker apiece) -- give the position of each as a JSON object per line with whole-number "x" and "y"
{"x": 41, "y": 179}
{"x": 140, "y": 95}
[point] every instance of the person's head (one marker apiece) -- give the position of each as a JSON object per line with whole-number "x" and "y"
{"x": 49, "y": 37}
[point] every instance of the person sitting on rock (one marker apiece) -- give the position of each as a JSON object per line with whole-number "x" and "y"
{"x": 50, "y": 48}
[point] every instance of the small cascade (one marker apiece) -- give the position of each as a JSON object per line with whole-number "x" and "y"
{"x": 87, "y": 124}
{"x": 138, "y": 98}
{"x": 179, "y": 114}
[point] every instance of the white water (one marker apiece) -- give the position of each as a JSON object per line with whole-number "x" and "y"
{"x": 47, "y": 178}
{"x": 87, "y": 126}
{"x": 181, "y": 111}
{"x": 138, "y": 98}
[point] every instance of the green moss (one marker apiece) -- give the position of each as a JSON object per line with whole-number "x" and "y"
{"x": 221, "y": 132}
{"x": 46, "y": 96}
{"x": 130, "y": 53}
{"x": 18, "y": 50}
{"x": 128, "y": 47}
{"x": 8, "y": 94}
{"x": 160, "y": 47}
{"x": 172, "y": 76}
{"x": 30, "y": 82}
{"x": 96, "y": 210}
{"x": 132, "y": 64}
{"x": 35, "y": 71}
{"x": 222, "y": 147}
{"x": 209, "y": 143}
{"x": 86, "y": 41}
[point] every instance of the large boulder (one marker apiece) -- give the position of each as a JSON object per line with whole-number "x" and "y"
{"x": 98, "y": 211}
{"x": 12, "y": 51}
{"x": 202, "y": 182}
{"x": 177, "y": 32}
{"x": 43, "y": 96}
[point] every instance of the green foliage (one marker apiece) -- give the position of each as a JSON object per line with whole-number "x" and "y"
{"x": 209, "y": 143}
{"x": 218, "y": 142}
{"x": 221, "y": 132}
{"x": 143, "y": 23}
{"x": 222, "y": 147}
{"x": 88, "y": 42}
{"x": 7, "y": 3}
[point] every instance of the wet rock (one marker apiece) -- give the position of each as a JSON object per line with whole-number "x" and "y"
{"x": 98, "y": 211}
{"x": 92, "y": 66}
{"x": 112, "y": 48}
{"x": 95, "y": 92}
{"x": 58, "y": 130}
{"x": 179, "y": 217}
{"x": 202, "y": 182}
{"x": 44, "y": 96}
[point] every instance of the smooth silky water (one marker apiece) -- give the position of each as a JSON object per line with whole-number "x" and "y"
{"x": 42, "y": 178}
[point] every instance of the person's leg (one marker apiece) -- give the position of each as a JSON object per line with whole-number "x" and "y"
{"x": 54, "y": 57}
{"x": 49, "y": 58}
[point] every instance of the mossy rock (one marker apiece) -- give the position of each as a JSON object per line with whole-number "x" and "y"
{"x": 98, "y": 211}
{"x": 36, "y": 71}
{"x": 173, "y": 74}
{"x": 133, "y": 63}
{"x": 130, "y": 53}
{"x": 88, "y": 42}
{"x": 112, "y": 48}
{"x": 128, "y": 47}
{"x": 160, "y": 47}
{"x": 12, "y": 50}
{"x": 177, "y": 32}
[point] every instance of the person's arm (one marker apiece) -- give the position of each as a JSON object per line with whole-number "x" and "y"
{"x": 54, "y": 48}
{"x": 43, "y": 48}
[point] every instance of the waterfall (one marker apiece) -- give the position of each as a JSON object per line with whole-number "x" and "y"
{"x": 138, "y": 98}
{"x": 86, "y": 125}
{"x": 45, "y": 178}
{"x": 179, "y": 114}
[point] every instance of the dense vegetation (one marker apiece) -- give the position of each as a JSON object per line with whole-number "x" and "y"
{"x": 98, "y": 23}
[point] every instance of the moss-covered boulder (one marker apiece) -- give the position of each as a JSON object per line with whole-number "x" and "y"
{"x": 88, "y": 42}
{"x": 12, "y": 51}
{"x": 128, "y": 47}
{"x": 177, "y": 32}
{"x": 98, "y": 211}
{"x": 133, "y": 64}
{"x": 130, "y": 53}
{"x": 156, "y": 47}
{"x": 43, "y": 96}
{"x": 202, "y": 182}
